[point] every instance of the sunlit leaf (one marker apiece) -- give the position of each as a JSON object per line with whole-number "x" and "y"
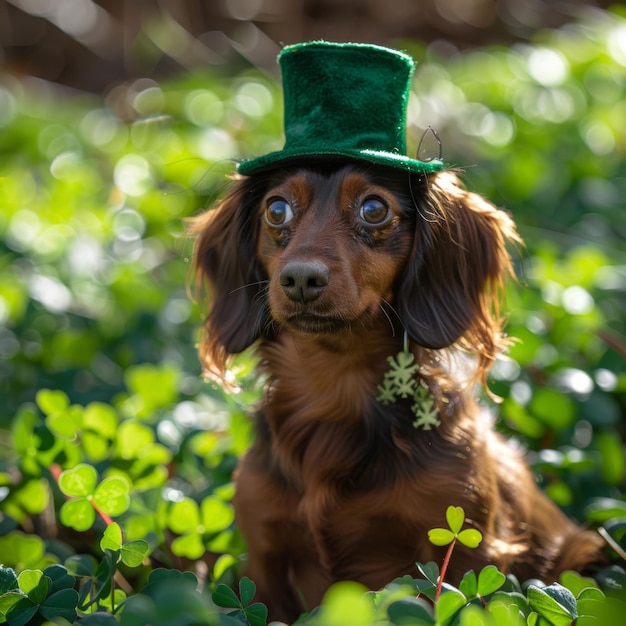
{"x": 77, "y": 514}
{"x": 469, "y": 585}
{"x": 34, "y": 584}
{"x": 474, "y": 616}
{"x": 133, "y": 437}
{"x": 21, "y": 550}
{"x": 80, "y": 481}
{"x": 216, "y": 515}
{"x": 8, "y": 601}
{"x": 34, "y": 496}
{"x": 555, "y": 603}
{"x": 66, "y": 424}
{"x": 490, "y": 579}
{"x": 346, "y": 603}
{"x": 190, "y": 546}
{"x": 184, "y": 516}
{"x": 560, "y": 492}
{"x": 140, "y": 526}
{"x": 506, "y": 614}
{"x": 96, "y": 447}
{"x": 588, "y": 593}
{"x": 156, "y": 386}
{"x": 223, "y": 563}
{"x": 470, "y": 537}
{"x": 52, "y": 401}
{"x": 100, "y": 418}
{"x": 521, "y": 419}
{"x": 455, "y": 516}
{"x": 23, "y": 430}
{"x": 440, "y": 536}
{"x": 448, "y": 604}
{"x": 112, "y": 495}
{"x": 112, "y": 537}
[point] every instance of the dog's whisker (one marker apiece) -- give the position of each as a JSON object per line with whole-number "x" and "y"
{"x": 393, "y": 310}
{"x": 247, "y": 286}
{"x": 382, "y": 308}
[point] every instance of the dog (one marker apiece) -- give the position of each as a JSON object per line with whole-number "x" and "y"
{"x": 331, "y": 270}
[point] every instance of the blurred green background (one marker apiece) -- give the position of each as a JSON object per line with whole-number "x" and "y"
{"x": 118, "y": 120}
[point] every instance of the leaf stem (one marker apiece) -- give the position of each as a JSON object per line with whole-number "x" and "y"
{"x": 55, "y": 470}
{"x": 106, "y": 518}
{"x": 444, "y": 568}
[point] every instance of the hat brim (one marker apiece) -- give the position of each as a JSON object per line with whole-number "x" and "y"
{"x": 285, "y": 158}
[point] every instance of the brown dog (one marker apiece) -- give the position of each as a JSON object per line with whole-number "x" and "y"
{"x": 326, "y": 268}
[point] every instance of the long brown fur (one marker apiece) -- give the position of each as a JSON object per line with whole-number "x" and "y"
{"x": 338, "y": 486}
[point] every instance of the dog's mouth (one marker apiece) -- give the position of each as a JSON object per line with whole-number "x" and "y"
{"x": 314, "y": 324}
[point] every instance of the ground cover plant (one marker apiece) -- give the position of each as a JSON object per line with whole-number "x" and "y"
{"x": 116, "y": 458}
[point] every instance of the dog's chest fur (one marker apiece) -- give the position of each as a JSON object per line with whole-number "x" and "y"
{"x": 348, "y": 457}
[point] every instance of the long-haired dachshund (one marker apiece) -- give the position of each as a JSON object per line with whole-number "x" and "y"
{"x": 325, "y": 269}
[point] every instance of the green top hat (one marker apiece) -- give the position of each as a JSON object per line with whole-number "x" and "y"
{"x": 344, "y": 101}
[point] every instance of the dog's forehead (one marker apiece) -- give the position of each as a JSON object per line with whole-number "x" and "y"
{"x": 310, "y": 185}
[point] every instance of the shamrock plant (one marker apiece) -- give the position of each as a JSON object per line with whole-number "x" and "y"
{"x": 108, "y": 498}
{"x": 254, "y": 613}
{"x": 131, "y": 553}
{"x": 470, "y": 537}
{"x": 196, "y": 524}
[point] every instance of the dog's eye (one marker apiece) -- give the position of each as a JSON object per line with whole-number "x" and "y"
{"x": 374, "y": 211}
{"x": 278, "y": 212}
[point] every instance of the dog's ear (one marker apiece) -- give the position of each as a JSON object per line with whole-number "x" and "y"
{"x": 450, "y": 289}
{"x": 225, "y": 260}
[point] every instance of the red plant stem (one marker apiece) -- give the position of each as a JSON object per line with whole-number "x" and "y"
{"x": 55, "y": 470}
{"x": 444, "y": 568}
{"x": 106, "y": 518}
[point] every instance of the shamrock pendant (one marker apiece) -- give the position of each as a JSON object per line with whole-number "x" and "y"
{"x": 400, "y": 382}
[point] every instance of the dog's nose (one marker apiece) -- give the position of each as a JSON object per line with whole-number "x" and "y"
{"x": 304, "y": 281}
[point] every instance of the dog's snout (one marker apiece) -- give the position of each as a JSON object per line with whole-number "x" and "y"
{"x": 304, "y": 281}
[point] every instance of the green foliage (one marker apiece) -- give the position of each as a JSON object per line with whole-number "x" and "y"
{"x": 171, "y": 597}
{"x": 34, "y": 596}
{"x": 116, "y": 459}
{"x": 489, "y": 599}
{"x": 110, "y": 497}
{"x": 470, "y": 537}
{"x": 131, "y": 553}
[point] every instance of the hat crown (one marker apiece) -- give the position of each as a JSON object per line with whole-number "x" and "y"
{"x": 343, "y": 101}
{"x": 345, "y": 96}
